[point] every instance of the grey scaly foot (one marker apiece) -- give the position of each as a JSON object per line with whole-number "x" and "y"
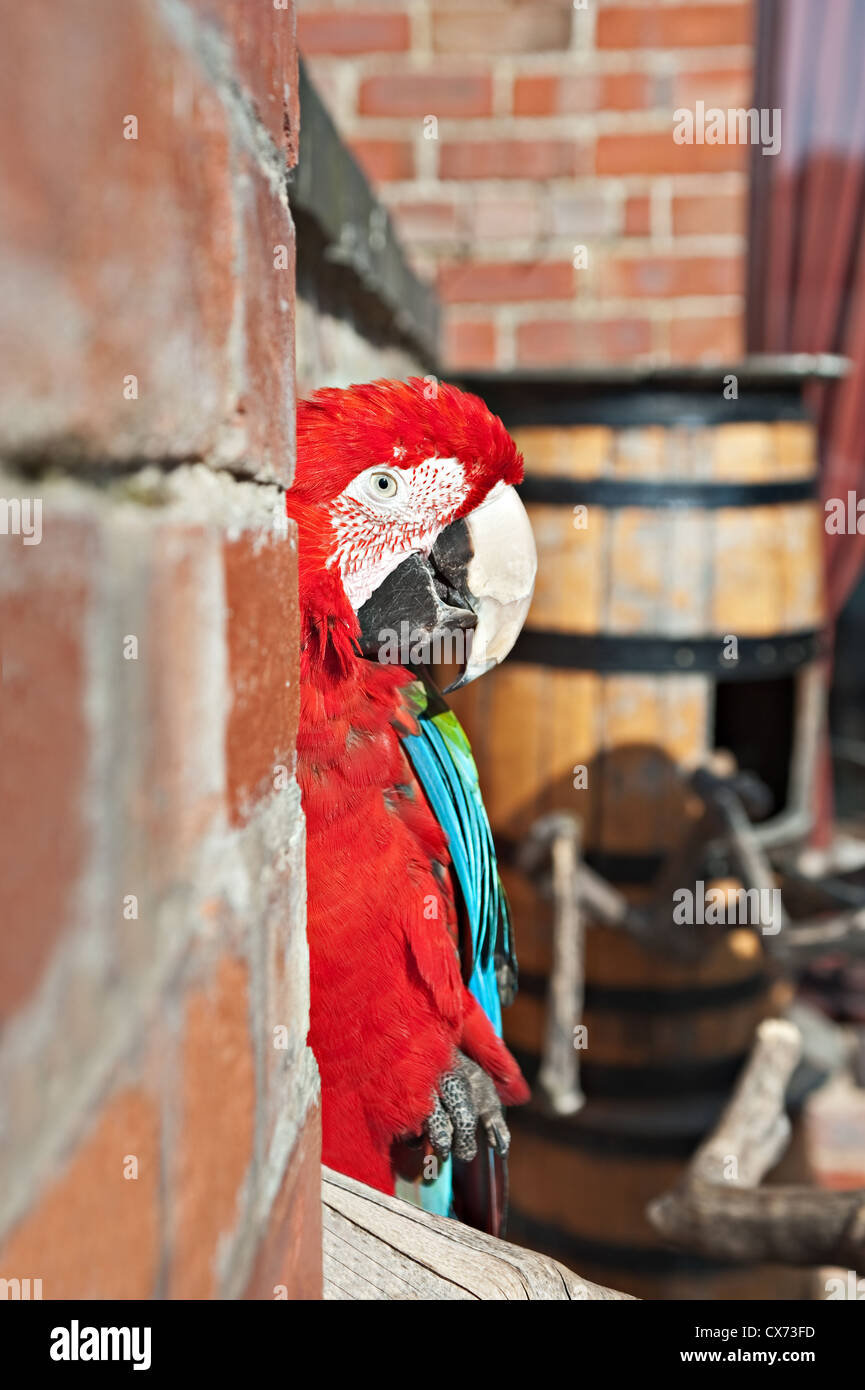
{"x": 466, "y": 1096}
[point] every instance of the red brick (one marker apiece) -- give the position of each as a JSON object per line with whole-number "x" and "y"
{"x": 528, "y": 29}
{"x": 290, "y": 1256}
{"x": 582, "y": 215}
{"x": 724, "y": 87}
{"x": 656, "y": 152}
{"x": 580, "y": 93}
{"x": 95, "y": 1233}
{"x": 157, "y": 247}
{"x": 265, "y": 61}
{"x": 563, "y": 342}
{"x": 513, "y": 159}
{"x": 470, "y": 343}
{"x": 347, "y": 32}
{"x": 506, "y": 281}
{"x": 715, "y": 338}
{"x": 261, "y": 600}
{"x": 215, "y": 1145}
{"x": 661, "y": 277}
{"x": 45, "y": 594}
{"x": 264, "y": 410}
{"x": 710, "y": 214}
{"x": 498, "y": 218}
{"x": 627, "y": 91}
{"x": 545, "y": 94}
{"x": 425, "y": 222}
{"x": 178, "y": 795}
{"x": 419, "y": 94}
{"x": 385, "y": 161}
{"x": 638, "y": 215}
{"x": 678, "y": 26}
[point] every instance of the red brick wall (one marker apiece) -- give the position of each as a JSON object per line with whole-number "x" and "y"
{"x": 159, "y": 1131}
{"x": 554, "y": 131}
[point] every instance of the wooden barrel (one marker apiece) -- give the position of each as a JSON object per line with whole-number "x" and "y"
{"x": 678, "y": 610}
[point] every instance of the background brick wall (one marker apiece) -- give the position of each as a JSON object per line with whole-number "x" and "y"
{"x": 554, "y": 130}
{"x": 159, "y": 1130}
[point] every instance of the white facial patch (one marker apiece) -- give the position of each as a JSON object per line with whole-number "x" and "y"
{"x": 386, "y": 514}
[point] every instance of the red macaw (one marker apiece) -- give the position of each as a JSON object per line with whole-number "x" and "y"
{"x": 407, "y": 521}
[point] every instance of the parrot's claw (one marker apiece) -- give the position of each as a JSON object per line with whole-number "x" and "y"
{"x": 466, "y": 1096}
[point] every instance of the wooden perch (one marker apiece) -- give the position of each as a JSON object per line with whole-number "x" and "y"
{"x": 378, "y": 1247}
{"x": 720, "y": 1210}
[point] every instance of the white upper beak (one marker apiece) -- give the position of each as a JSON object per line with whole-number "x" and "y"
{"x": 500, "y": 578}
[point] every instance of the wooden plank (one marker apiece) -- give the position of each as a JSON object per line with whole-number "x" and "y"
{"x": 802, "y": 530}
{"x": 581, "y": 451}
{"x": 745, "y": 452}
{"x": 570, "y": 582}
{"x": 380, "y": 1248}
{"x": 641, "y": 452}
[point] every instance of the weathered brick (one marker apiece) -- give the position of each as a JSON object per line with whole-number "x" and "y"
{"x": 470, "y": 342}
{"x": 45, "y": 596}
{"x": 714, "y": 338}
{"x": 419, "y": 94}
{"x": 502, "y": 218}
{"x": 264, "y": 58}
{"x": 353, "y": 31}
{"x": 95, "y": 1233}
{"x": 627, "y": 91}
{"x": 547, "y": 94}
{"x": 172, "y": 765}
{"x": 513, "y": 159}
{"x": 563, "y": 342}
{"x": 724, "y": 87}
{"x": 674, "y": 26}
{"x": 582, "y": 215}
{"x": 421, "y": 222}
{"x": 671, "y": 276}
{"x": 150, "y": 244}
{"x": 216, "y": 1136}
{"x": 656, "y": 152}
{"x": 264, "y": 404}
{"x": 261, "y": 604}
{"x": 385, "y": 161}
{"x": 289, "y": 1259}
{"x": 539, "y": 94}
{"x": 710, "y": 214}
{"x": 506, "y": 281}
{"x": 529, "y": 29}
{"x": 638, "y": 214}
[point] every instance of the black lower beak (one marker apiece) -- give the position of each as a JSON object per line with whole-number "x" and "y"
{"x": 418, "y": 608}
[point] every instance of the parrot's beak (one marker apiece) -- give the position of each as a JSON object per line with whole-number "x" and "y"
{"x": 490, "y": 558}
{"x": 465, "y": 603}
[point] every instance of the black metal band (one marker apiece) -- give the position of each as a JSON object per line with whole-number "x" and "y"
{"x": 633, "y": 492}
{"x": 581, "y": 1251}
{"x": 688, "y": 403}
{"x": 633, "y": 1142}
{"x": 624, "y": 868}
{"x": 652, "y": 1081}
{"x": 614, "y": 867}
{"x": 622, "y": 999}
{"x": 759, "y": 658}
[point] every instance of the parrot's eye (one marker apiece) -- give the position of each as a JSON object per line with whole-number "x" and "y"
{"x": 383, "y": 484}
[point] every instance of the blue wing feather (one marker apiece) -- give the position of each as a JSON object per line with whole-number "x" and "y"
{"x": 444, "y": 766}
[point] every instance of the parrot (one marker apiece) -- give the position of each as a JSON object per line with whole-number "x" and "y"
{"x": 409, "y": 533}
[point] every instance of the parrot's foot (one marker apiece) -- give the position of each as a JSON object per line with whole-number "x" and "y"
{"x": 466, "y": 1096}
